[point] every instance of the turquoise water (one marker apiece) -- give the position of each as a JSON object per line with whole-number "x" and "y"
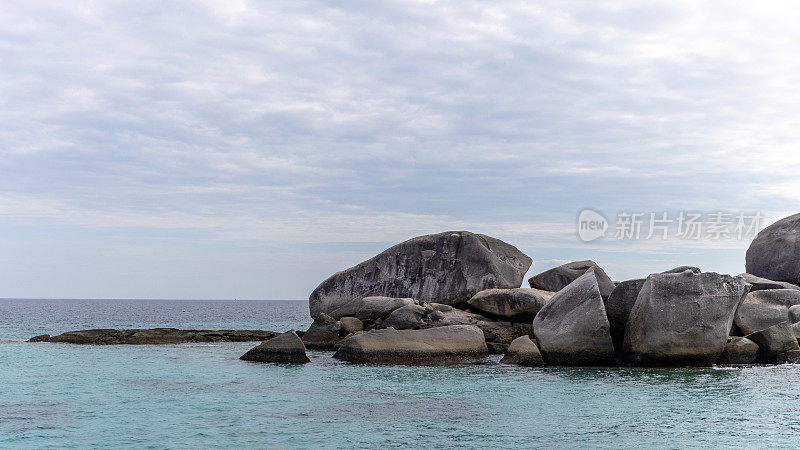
{"x": 202, "y": 396}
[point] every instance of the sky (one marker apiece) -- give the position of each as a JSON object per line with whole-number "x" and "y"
{"x": 249, "y": 149}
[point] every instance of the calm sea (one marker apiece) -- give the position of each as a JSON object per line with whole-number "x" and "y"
{"x": 202, "y": 396}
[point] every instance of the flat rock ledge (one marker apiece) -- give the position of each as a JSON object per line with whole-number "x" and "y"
{"x": 453, "y": 344}
{"x": 151, "y": 336}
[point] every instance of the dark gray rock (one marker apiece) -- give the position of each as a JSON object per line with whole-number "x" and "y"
{"x": 523, "y": 352}
{"x": 284, "y": 348}
{"x": 739, "y": 350}
{"x": 515, "y": 305}
{"x": 775, "y": 343}
{"x": 760, "y": 284}
{"x": 559, "y": 277}
{"x": 794, "y": 314}
{"x": 323, "y": 333}
{"x": 351, "y": 325}
{"x": 447, "y": 268}
{"x": 154, "y": 336}
{"x": 456, "y": 344}
{"x": 762, "y": 309}
{"x": 775, "y": 252}
{"x": 682, "y": 319}
{"x": 618, "y": 308}
{"x": 572, "y": 328}
{"x": 498, "y": 334}
{"x": 680, "y": 269}
{"x": 406, "y": 318}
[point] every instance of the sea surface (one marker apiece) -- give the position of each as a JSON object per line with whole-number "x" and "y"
{"x": 203, "y": 396}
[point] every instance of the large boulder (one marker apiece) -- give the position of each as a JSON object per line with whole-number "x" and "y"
{"x": 762, "y": 309}
{"x": 775, "y": 252}
{"x": 447, "y": 268}
{"x": 406, "y": 318}
{"x": 515, "y": 305}
{"x": 323, "y": 333}
{"x": 760, "y": 284}
{"x": 682, "y": 319}
{"x": 559, "y": 277}
{"x": 618, "y": 308}
{"x": 441, "y": 345}
{"x": 523, "y": 352}
{"x": 367, "y": 308}
{"x": 777, "y": 343}
{"x": 572, "y": 328}
{"x": 739, "y": 350}
{"x": 284, "y": 348}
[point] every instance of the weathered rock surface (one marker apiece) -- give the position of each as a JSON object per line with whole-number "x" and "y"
{"x": 739, "y": 350}
{"x": 775, "y": 252}
{"x": 498, "y": 333}
{"x": 680, "y": 269}
{"x": 523, "y": 352}
{"x": 760, "y": 284}
{"x": 559, "y": 277}
{"x": 777, "y": 344}
{"x": 515, "y": 305}
{"x": 351, "y": 325}
{"x": 682, "y": 319}
{"x": 284, "y": 348}
{"x": 406, "y": 318}
{"x": 447, "y": 268}
{"x": 618, "y": 308}
{"x": 323, "y": 333}
{"x": 441, "y": 345}
{"x": 572, "y": 328}
{"x": 794, "y": 314}
{"x": 764, "y": 308}
{"x": 154, "y": 336}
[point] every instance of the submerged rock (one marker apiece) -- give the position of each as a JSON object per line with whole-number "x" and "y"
{"x": 447, "y": 268}
{"x": 523, "y": 352}
{"x": 515, "y": 305}
{"x": 739, "y": 350}
{"x": 453, "y": 344}
{"x": 153, "y": 336}
{"x": 777, "y": 344}
{"x": 559, "y": 277}
{"x": 682, "y": 319}
{"x": 284, "y": 348}
{"x": 762, "y": 309}
{"x": 775, "y": 252}
{"x": 572, "y": 328}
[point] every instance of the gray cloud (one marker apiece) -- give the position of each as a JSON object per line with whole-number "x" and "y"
{"x": 250, "y": 133}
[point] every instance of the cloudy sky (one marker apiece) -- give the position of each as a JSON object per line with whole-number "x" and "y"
{"x": 248, "y": 149}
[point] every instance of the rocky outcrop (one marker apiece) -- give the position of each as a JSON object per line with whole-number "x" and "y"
{"x": 777, "y": 344}
{"x": 406, "y": 318}
{"x": 323, "y": 333}
{"x": 760, "y": 284}
{"x": 618, "y": 308}
{"x": 284, "y": 348}
{"x": 367, "y": 308}
{"x": 351, "y": 325}
{"x": 682, "y": 319}
{"x": 447, "y": 268}
{"x": 515, "y": 305}
{"x": 572, "y": 328}
{"x": 739, "y": 350}
{"x": 498, "y": 333}
{"x": 455, "y": 344}
{"x": 154, "y": 336}
{"x": 523, "y": 352}
{"x": 764, "y": 308}
{"x": 775, "y": 252}
{"x": 559, "y": 277}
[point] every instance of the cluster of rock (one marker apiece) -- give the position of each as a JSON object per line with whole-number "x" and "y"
{"x": 455, "y": 297}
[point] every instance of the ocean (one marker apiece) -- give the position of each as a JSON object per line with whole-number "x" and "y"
{"x": 203, "y": 396}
